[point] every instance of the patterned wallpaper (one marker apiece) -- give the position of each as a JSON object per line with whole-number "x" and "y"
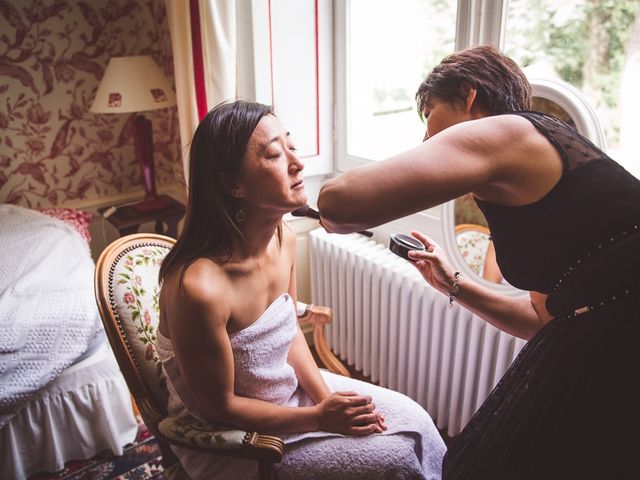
{"x": 53, "y": 53}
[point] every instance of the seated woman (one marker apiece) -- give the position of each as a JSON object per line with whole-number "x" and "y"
{"x": 228, "y": 335}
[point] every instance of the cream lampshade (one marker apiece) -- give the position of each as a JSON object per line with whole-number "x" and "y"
{"x": 132, "y": 85}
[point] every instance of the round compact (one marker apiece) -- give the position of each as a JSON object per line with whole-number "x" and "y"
{"x": 400, "y": 244}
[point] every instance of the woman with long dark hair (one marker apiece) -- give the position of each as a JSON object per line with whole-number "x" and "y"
{"x": 228, "y": 336}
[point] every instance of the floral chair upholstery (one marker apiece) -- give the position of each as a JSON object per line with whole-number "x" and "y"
{"x": 127, "y": 289}
{"x": 473, "y": 241}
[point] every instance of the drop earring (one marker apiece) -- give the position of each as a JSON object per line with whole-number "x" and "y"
{"x": 240, "y": 215}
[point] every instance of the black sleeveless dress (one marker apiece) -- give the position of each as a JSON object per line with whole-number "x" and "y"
{"x": 569, "y": 405}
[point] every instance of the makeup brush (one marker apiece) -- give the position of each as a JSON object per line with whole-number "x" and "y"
{"x": 307, "y": 211}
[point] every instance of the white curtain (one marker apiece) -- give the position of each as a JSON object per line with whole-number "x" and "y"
{"x": 219, "y": 60}
{"x": 219, "y": 49}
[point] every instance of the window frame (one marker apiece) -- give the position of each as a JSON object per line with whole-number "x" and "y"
{"x": 465, "y": 28}
{"x": 478, "y": 22}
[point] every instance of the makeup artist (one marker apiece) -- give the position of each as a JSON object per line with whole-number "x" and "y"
{"x": 565, "y": 222}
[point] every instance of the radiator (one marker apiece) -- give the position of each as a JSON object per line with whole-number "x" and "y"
{"x": 396, "y": 329}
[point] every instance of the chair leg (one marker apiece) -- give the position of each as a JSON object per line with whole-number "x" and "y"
{"x": 168, "y": 457}
{"x": 134, "y": 406}
{"x": 330, "y": 361}
{"x": 266, "y": 471}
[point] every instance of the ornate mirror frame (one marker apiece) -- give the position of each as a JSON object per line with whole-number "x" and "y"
{"x": 586, "y": 121}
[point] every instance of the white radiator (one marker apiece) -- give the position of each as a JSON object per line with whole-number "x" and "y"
{"x": 394, "y": 327}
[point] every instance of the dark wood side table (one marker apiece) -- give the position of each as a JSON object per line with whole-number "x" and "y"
{"x": 127, "y": 219}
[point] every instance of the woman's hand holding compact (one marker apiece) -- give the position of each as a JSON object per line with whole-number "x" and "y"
{"x": 433, "y": 264}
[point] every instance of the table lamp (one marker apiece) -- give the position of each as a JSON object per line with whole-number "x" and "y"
{"x": 132, "y": 85}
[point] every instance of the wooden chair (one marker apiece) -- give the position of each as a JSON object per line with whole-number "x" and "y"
{"x": 126, "y": 288}
{"x": 473, "y": 241}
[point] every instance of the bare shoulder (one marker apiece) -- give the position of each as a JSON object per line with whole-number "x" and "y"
{"x": 204, "y": 284}
{"x": 516, "y": 136}
{"x": 496, "y": 132}
{"x": 500, "y": 142}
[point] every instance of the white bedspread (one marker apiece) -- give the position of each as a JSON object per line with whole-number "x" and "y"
{"x": 48, "y": 314}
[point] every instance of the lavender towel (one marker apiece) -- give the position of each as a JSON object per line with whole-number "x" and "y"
{"x": 411, "y": 448}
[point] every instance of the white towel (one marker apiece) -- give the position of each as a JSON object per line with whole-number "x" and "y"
{"x": 411, "y": 447}
{"x": 260, "y": 355}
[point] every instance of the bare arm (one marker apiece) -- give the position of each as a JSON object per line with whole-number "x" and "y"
{"x": 517, "y": 316}
{"x": 432, "y": 173}
{"x": 302, "y": 361}
{"x": 300, "y": 357}
{"x": 205, "y": 358}
{"x": 486, "y": 156}
{"x": 490, "y": 271}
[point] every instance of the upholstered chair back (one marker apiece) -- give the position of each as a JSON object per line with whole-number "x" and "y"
{"x": 473, "y": 241}
{"x": 129, "y": 284}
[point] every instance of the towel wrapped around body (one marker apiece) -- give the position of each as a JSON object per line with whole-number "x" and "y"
{"x": 411, "y": 447}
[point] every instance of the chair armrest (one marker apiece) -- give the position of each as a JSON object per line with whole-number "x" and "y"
{"x": 189, "y": 432}
{"x": 315, "y": 314}
{"x": 320, "y": 316}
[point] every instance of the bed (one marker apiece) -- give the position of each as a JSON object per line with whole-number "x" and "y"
{"x": 62, "y": 396}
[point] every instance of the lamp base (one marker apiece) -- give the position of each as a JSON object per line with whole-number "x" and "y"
{"x": 152, "y": 204}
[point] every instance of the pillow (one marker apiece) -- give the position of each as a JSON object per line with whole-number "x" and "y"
{"x": 78, "y": 219}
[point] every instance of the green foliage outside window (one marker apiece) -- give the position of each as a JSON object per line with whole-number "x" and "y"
{"x": 586, "y": 42}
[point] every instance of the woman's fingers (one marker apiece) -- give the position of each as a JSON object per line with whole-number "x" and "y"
{"x": 369, "y": 418}
{"x": 363, "y": 410}
{"x": 347, "y": 394}
{"x": 381, "y": 422}
{"x": 417, "y": 255}
{"x": 424, "y": 239}
{"x": 360, "y": 415}
{"x": 352, "y": 399}
{"x": 365, "y": 430}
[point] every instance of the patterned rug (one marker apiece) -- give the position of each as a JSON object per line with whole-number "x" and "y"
{"x": 139, "y": 461}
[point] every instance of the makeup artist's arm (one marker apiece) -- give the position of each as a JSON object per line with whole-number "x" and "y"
{"x": 521, "y": 317}
{"x": 483, "y": 156}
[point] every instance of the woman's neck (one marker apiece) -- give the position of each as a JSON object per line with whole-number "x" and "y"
{"x": 257, "y": 236}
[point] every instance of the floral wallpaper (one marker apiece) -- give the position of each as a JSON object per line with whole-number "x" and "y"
{"x": 53, "y": 54}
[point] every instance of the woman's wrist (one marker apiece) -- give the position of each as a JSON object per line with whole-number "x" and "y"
{"x": 326, "y": 393}
{"x": 314, "y": 418}
{"x": 454, "y": 288}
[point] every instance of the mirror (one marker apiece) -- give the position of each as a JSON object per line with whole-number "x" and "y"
{"x": 466, "y": 231}
{"x": 473, "y": 239}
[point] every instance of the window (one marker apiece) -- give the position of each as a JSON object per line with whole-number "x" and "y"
{"x": 389, "y": 48}
{"x": 384, "y": 49}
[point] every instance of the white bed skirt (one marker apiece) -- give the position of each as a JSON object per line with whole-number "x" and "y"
{"x": 86, "y": 410}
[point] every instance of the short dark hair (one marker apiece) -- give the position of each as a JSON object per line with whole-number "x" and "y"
{"x": 217, "y": 151}
{"x": 500, "y": 83}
